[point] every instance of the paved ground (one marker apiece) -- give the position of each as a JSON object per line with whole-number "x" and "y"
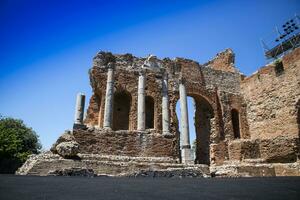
{"x": 44, "y": 188}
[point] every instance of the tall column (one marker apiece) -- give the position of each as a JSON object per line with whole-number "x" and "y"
{"x": 186, "y": 147}
{"x": 107, "y": 121}
{"x": 165, "y": 106}
{"x": 141, "y": 102}
{"x": 79, "y": 109}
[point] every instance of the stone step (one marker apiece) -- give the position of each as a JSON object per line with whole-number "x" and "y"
{"x": 47, "y": 163}
{"x": 128, "y": 158}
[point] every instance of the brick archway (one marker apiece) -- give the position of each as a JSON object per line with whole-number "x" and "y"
{"x": 203, "y": 114}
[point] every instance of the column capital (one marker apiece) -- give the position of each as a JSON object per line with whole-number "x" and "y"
{"x": 111, "y": 65}
{"x": 165, "y": 75}
{"x": 142, "y": 71}
{"x": 181, "y": 79}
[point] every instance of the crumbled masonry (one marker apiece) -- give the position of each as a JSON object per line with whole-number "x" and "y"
{"x": 245, "y": 126}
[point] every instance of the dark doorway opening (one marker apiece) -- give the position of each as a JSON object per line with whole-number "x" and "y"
{"x": 121, "y": 109}
{"x": 235, "y": 123}
{"x": 149, "y": 103}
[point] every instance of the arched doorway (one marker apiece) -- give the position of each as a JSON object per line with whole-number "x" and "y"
{"x": 121, "y": 109}
{"x": 200, "y": 113}
{"x": 203, "y": 115}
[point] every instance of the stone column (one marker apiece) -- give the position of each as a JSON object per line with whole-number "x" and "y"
{"x": 141, "y": 103}
{"x": 165, "y": 106}
{"x": 186, "y": 147}
{"x": 79, "y": 109}
{"x": 107, "y": 121}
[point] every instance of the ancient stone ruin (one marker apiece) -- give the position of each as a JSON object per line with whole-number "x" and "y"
{"x": 245, "y": 126}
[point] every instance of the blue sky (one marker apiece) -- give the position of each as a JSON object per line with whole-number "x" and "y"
{"x": 46, "y": 47}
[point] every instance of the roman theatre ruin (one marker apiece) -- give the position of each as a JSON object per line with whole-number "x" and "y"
{"x": 245, "y": 126}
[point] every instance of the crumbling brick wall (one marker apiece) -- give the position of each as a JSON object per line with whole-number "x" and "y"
{"x": 265, "y": 103}
{"x": 224, "y": 61}
{"x": 216, "y": 92}
{"x": 271, "y": 99}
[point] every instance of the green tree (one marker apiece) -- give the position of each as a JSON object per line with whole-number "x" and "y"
{"x": 17, "y": 142}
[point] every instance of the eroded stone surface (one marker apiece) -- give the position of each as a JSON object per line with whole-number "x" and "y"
{"x": 68, "y": 149}
{"x": 73, "y": 172}
{"x": 67, "y": 136}
{"x": 245, "y": 126}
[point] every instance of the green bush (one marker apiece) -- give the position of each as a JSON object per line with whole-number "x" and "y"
{"x": 17, "y": 142}
{"x": 278, "y": 67}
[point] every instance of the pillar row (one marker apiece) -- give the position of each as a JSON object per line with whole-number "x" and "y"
{"x": 107, "y": 121}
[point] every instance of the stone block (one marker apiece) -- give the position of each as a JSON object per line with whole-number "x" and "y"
{"x": 218, "y": 153}
{"x": 68, "y": 149}
{"x": 279, "y": 150}
{"x": 67, "y": 136}
{"x": 126, "y": 143}
{"x": 243, "y": 149}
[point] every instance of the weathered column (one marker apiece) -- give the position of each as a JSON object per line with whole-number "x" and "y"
{"x": 79, "y": 109}
{"x": 165, "y": 106}
{"x": 186, "y": 147}
{"x": 107, "y": 121}
{"x": 141, "y": 102}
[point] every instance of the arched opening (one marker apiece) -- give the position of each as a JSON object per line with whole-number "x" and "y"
{"x": 235, "y": 123}
{"x": 200, "y": 114}
{"x": 121, "y": 109}
{"x": 203, "y": 115}
{"x": 149, "y": 104}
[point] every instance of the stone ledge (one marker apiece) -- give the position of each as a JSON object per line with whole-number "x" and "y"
{"x": 104, "y": 165}
{"x": 255, "y": 170}
{"x": 112, "y": 165}
{"x": 280, "y": 149}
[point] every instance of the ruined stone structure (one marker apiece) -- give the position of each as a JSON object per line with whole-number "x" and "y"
{"x": 245, "y": 126}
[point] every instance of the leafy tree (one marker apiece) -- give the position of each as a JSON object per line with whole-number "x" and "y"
{"x": 17, "y": 142}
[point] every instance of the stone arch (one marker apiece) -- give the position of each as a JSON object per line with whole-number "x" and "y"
{"x": 121, "y": 110}
{"x": 204, "y": 114}
{"x": 235, "y": 119}
{"x": 203, "y": 117}
{"x": 149, "y": 105}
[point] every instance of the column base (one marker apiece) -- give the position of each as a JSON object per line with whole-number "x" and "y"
{"x": 107, "y": 128}
{"x": 186, "y": 156}
{"x": 78, "y": 126}
{"x": 167, "y": 134}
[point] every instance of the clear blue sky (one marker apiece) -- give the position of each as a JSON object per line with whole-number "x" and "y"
{"x": 46, "y": 47}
